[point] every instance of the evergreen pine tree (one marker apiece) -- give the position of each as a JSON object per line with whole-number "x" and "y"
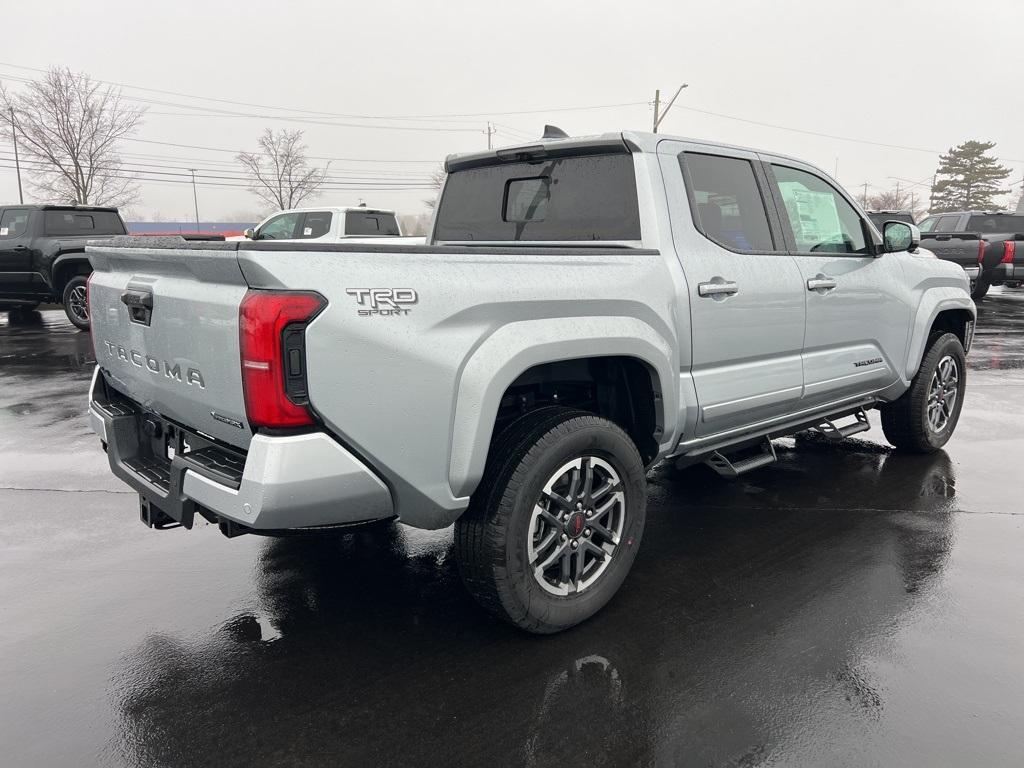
{"x": 968, "y": 179}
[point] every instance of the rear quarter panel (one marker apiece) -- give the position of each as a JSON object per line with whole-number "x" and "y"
{"x": 416, "y": 394}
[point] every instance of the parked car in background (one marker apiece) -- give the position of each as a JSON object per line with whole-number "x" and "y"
{"x": 583, "y": 309}
{"x": 329, "y": 224}
{"x": 42, "y": 255}
{"x": 989, "y": 245}
{"x": 878, "y": 218}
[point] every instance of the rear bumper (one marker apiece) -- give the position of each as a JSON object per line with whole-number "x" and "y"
{"x": 1007, "y": 272}
{"x": 972, "y": 272}
{"x": 281, "y": 483}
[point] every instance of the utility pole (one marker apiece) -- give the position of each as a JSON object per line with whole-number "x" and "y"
{"x": 195, "y": 197}
{"x": 490, "y": 132}
{"x": 864, "y": 200}
{"x": 17, "y": 162}
{"x": 659, "y": 113}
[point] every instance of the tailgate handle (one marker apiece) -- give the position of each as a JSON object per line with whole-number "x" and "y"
{"x": 140, "y": 306}
{"x": 137, "y": 299}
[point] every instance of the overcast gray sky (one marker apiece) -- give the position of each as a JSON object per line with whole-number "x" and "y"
{"x": 923, "y": 74}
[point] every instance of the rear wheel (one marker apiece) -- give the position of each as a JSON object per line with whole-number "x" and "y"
{"x": 555, "y": 525}
{"x": 76, "y": 305}
{"x": 923, "y": 419}
{"x": 979, "y": 288}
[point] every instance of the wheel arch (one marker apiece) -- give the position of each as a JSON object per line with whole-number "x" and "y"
{"x": 537, "y": 353}
{"x": 66, "y": 266}
{"x": 940, "y": 310}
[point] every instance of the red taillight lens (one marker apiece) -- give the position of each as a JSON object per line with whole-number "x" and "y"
{"x": 981, "y": 251}
{"x": 263, "y": 319}
{"x": 1009, "y": 249}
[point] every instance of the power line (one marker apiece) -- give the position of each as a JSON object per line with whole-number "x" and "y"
{"x": 340, "y": 114}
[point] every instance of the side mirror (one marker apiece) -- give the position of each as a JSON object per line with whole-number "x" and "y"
{"x": 249, "y": 234}
{"x": 900, "y": 236}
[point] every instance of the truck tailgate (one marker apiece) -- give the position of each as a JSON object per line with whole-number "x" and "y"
{"x": 958, "y": 247}
{"x": 165, "y": 329}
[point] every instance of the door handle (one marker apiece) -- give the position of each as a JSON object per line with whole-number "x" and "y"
{"x": 722, "y": 288}
{"x": 821, "y": 283}
{"x": 20, "y": 248}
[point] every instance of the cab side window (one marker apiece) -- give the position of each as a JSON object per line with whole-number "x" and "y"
{"x": 13, "y": 223}
{"x": 315, "y": 224}
{"x": 928, "y": 224}
{"x": 948, "y": 223}
{"x": 727, "y": 203}
{"x": 821, "y": 219}
{"x": 280, "y": 227}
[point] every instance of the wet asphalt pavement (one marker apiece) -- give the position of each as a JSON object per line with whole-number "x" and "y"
{"x": 847, "y": 606}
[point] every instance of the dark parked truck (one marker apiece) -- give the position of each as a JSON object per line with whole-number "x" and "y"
{"x": 42, "y": 255}
{"x": 988, "y": 245}
{"x": 582, "y": 309}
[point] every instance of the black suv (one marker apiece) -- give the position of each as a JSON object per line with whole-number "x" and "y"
{"x": 42, "y": 255}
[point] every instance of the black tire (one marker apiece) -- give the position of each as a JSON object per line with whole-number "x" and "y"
{"x": 493, "y": 537}
{"x": 905, "y": 421}
{"x": 979, "y": 288}
{"x": 75, "y": 307}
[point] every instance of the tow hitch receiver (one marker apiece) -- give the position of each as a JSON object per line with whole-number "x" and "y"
{"x": 154, "y": 517}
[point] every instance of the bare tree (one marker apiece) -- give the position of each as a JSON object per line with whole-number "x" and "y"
{"x": 69, "y": 127}
{"x": 279, "y": 173}
{"x": 436, "y": 182}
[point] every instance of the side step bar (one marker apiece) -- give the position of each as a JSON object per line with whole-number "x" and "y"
{"x": 860, "y": 423}
{"x": 726, "y": 468}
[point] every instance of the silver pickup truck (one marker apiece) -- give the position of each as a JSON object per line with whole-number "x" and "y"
{"x": 583, "y": 309}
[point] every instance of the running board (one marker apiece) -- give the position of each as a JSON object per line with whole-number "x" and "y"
{"x": 860, "y": 424}
{"x": 726, "y": 468}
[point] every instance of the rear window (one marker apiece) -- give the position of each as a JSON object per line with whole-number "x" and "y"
{"x": 83, "y": 223}
{"x": 357, "y": 223}
{"x": 567, "y": 198}
{"x": 727, "y": 202}
{"x": 315, "y": 224}
{"x": 1001, "y": 223}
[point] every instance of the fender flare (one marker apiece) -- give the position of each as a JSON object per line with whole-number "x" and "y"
{"x": 515, "y": 348}
{"x": 933, "y": 302}
{"x": 63, "y": 258}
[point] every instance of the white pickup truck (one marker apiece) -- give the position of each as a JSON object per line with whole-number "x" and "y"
{"x": 330, "y": 224}
{"x": 583, "y": 309}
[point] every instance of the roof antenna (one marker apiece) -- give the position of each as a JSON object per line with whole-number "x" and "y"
{"x": 554, "y": 132}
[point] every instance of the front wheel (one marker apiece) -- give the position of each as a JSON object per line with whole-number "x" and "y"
{"x": 76, "y": 304}
{"x": 923, "y": 419}
{"x": 554, "y": 527}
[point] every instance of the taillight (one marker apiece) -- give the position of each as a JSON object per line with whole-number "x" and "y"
{"x": 1009, "y": 249}
{"x": 981, "y": 251}
{"x": 271, "y": 328}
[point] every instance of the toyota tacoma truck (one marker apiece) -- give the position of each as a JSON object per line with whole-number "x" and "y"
{"x": 42, "y": 254}
{"x": 583, "y": 308}
{"x": 989, "y": 245}
{"x": 330, "y": 224}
